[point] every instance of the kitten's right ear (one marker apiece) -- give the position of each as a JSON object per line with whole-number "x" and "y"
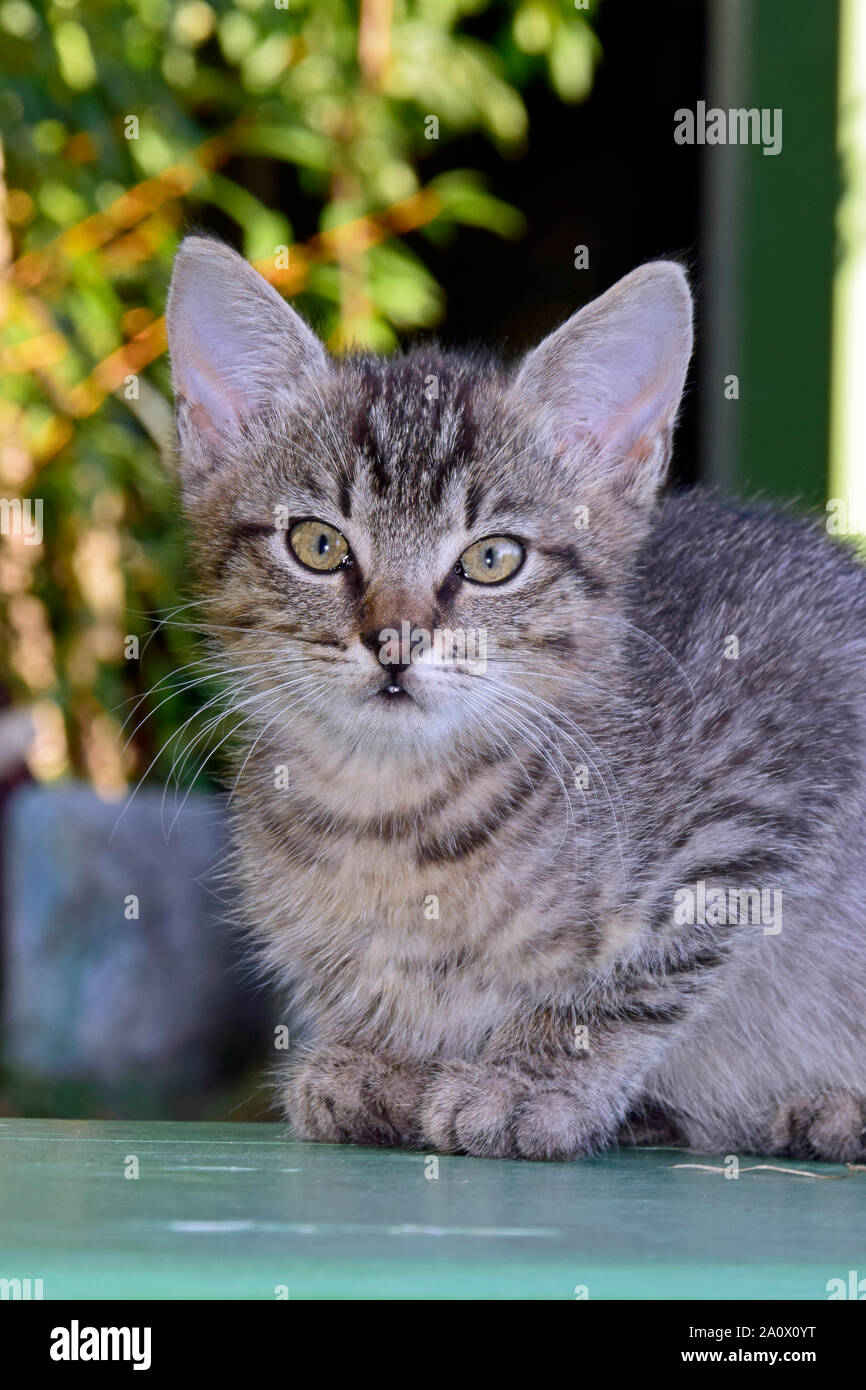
{"x": 235, "y": 345}
{"x": 606, "y": 386}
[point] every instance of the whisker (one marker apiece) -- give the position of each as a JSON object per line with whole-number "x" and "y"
{"x": 648, "y": 637}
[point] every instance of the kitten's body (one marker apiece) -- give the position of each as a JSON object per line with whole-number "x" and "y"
{"x": 472, "y": 904}
{"x": 761, "y": 780}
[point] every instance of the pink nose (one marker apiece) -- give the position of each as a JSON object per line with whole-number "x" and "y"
{"x": 392, "y": 642}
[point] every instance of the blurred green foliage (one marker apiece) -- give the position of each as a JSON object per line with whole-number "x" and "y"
{"x": 125, "y": 121}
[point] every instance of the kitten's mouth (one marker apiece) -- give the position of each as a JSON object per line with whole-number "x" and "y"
{"x": 394, "y": 694}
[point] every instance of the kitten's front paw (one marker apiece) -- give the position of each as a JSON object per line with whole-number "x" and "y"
{"x": 343, "y": 1097}
{"x": 830, "y": 1125}
{"x": 494, "y": 1112}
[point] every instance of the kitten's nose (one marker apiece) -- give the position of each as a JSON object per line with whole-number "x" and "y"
{"x": 385, "y": 627}
{"x": 373, "y": 641}
{"x": 394, "y": 670}
{"x": 381, "y": 643}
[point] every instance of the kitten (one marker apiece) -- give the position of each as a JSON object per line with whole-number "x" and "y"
{"x": 605, "y": 879}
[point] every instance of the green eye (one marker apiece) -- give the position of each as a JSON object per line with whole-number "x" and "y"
{"x": 318, "y": 545}
{"x": 492, "y": 560}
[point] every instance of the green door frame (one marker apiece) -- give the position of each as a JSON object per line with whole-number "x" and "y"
{"x": 769, "y": 251}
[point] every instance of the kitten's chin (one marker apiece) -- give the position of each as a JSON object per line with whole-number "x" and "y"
{"x": 395, "y": 718}
{"x": 394, "y": 722}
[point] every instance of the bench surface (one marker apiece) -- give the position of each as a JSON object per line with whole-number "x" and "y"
{"x": 241, "y": 1211}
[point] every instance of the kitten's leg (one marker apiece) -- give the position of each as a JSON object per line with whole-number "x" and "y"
{"x": 560, "y": 1084}
{"x": 829, "y": 1126}
{"x": 523, "y": 1107}
{"x": 341, "y": 1096}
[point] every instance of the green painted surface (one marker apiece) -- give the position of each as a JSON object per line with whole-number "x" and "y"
{"x": 235, "y": 1211}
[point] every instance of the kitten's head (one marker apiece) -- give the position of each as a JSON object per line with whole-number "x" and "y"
{"x": 400, "y": 551}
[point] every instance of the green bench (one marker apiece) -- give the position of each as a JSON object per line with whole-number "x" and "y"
{"x": 222, "y": 1211}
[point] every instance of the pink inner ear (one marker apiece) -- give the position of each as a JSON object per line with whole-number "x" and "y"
{"x": 610, "y": 379}
{"x": 648, "y": 412}
{"x": 213, "y": 404}
{"x": 200, "y": 418}
{"x": 235, "y": 344}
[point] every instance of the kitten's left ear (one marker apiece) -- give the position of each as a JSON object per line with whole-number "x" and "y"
{"x": 235, "y": 345}
{"x": 608, "y": 382}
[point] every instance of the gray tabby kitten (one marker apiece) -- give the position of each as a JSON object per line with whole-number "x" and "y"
{"x": 608, "y": 881}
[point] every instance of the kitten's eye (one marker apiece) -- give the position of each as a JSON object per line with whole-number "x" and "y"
{"x": 318, "y": 545}
{"x": 492, "y": 560}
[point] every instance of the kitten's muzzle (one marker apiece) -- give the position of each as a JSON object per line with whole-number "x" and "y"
{"x": 394, "y": 671}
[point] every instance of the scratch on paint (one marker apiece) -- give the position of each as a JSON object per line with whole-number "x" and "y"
{"x": 355, "y": 1228}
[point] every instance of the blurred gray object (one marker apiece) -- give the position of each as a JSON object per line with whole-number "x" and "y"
{"x": 91, "y": 992}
